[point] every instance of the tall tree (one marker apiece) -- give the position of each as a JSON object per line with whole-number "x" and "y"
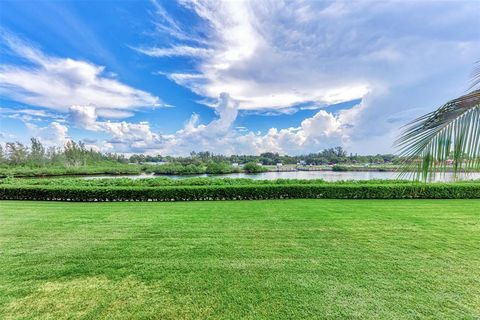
{"x": 16, "y": 153}
{"x": 37, "y": 152}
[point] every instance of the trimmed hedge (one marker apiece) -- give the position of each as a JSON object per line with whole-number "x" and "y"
{"x": 243, "y": 192}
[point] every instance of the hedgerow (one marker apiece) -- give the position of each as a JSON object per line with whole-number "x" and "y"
{"x": 242, "y": 192}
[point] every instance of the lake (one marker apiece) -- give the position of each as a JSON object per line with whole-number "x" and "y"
{"x": 306, "y": 175}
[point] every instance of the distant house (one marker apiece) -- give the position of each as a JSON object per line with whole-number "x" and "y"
{"x": 301, "y": 163}
{"x": 259, "y": 164}
{"x": 235, "y": 165}
{"x": 279, "y": 164}
{"x": 159, "y": 163}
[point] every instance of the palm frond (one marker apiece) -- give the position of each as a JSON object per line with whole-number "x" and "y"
{"x": 451, "y": 132}
{"x": 475, "y": 82}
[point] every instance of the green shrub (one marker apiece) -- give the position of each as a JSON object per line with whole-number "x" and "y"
{"x": 179, "y": 169}
{"x": 219, "y": 168}
{"x": 340, "y": 168}
{"x": 195, "y": 181}
{"x": 252, "y": 167}
{"x": 242, "y": 192}
{"x": 105, "y": 168}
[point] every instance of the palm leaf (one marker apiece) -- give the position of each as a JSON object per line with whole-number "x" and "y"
{"x": 451, "y": 132}
{"x": 475, "y": 76}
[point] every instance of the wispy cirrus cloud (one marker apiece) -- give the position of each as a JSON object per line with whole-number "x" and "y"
{"x": 255, "y": 69}
{"x": 29, "y": 115}
{"x": 175, "y": 51}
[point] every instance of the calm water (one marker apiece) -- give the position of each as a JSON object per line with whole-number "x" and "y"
{"x": 307, "y": 175}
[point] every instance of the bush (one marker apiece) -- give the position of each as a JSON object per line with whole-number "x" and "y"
{"x": 252, "y": 167}
{"x": 219, "y": 168}
{"x": 179, "y": 169}
{"x": 105, "y": 168}
{"x": 340, "y": 168}
{"x": 242, "y": 192}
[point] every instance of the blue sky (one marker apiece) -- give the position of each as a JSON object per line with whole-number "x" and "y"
{"x": 171, "y": 77}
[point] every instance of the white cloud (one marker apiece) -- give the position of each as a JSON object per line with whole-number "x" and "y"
{"x": 314, "y": 134}
{"x": 220, "y": 135}
{"x": 254, "y": 68}
{"x": 175, "y": 51}
{"x": 276, "y": 54}
{"x": 58, "y": 83}
{"x": 165, "y": 24}
{"x": 84, "y": 117}
{"x": 125, "y": 135}
{"x": 270, "y": 57}
{"x": 55, "y": 134}
{"x": 28, "y": 115}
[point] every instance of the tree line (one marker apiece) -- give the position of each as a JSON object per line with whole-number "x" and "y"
{"x": 74, "y": 154}
{"x": 335, "y": 155}
{"x": 37, "y": 155}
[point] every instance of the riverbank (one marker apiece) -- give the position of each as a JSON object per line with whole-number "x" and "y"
{"x": 116, "y": 169}
{"x": 324, "y": 175}
{"x": 137, "y": 171}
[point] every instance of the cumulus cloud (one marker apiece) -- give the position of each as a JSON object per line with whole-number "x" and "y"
{"x": 84, "y": 117}
{"x": 220, "y": 135}
{"x": 55, "y": 134}
{"x": 276, "y": 54}
{"x": 125, "y": 136}
{"x": 58, "y": 83}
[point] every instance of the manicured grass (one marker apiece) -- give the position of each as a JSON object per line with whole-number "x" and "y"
{"x": 284, "y": 259}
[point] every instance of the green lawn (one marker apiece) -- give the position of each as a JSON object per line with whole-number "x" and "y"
{"x": 392, "y": 259}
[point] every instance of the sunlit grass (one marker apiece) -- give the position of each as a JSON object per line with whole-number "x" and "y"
{"x": 251, "y": 259}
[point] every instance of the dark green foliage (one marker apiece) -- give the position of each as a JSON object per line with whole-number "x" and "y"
{"x": 339, "y": 168}
{"x": 178, "y": 169}
{"x": 252, "y": 167}
{"x": 242, "y": 192}
{"x": 220, "y": 168}
{"x": 163, "y": 181}
{"x": 106, "y": 167}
